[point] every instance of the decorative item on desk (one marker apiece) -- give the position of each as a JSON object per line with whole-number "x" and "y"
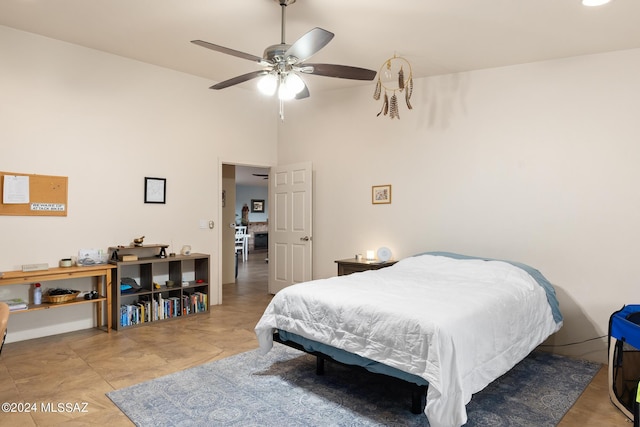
{"x": 358, "y": 257}
{"x": 66, "y": 262}
{"x": 138, "y": 241}
{"x": 186, "y": 250}
{"x": 384, "y": 254}
{"x": 91, "y": 257}
{"x": 370, "y": 255}
{"x": 35, "y": 267}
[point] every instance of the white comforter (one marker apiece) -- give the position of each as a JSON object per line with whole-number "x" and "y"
{"x": 459, "y": 324}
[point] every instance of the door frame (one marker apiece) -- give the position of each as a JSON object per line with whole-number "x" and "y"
{"x": 219, "y": 213}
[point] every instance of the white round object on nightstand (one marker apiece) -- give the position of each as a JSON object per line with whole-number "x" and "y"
{"x": 384, "y": 254}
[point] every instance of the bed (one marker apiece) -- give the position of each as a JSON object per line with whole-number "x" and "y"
{"x": 450, "y": 321}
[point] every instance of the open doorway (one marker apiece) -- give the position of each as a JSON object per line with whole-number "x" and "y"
{"x": 245, "y": 210}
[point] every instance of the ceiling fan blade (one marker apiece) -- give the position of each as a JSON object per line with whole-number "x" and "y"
{"x": 228, "y": 51}
{"x": 239, "y": 79}
{"x": 309, "y": 43}
{"x": 340, "y": 71}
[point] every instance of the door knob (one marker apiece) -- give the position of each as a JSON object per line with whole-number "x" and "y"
{"x": 305, "y": 238}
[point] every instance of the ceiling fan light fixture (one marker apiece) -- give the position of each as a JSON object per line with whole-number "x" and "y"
{"x": 294, "y": 83}
{"x": 268, "y": 84}
{"x": 285, "y": 93}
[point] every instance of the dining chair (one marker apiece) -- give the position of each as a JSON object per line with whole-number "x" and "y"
{"x": 242, "y": 241}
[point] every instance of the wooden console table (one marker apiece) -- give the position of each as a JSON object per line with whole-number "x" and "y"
{"x": 103, "y": 286}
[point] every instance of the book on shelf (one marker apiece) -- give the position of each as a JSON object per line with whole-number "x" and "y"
{"x": 16, "y": 304}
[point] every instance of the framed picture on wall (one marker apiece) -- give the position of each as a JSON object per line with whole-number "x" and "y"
{"x": 257, "y": 205}
{"x": 380, "y": 194}
{"x": 155, "y": 190}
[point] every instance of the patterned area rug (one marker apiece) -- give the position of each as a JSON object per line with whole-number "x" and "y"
{"x": 282, "y": 389}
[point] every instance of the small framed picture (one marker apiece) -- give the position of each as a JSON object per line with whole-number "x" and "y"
{"x": 155, "y": 190}
{"x": 257, "y": 205}
{"x": 380, "y": 194}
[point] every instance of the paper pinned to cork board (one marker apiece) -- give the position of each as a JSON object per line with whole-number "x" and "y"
{"x": 15, "y": 189}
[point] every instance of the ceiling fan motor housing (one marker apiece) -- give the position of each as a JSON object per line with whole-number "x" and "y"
{"x": 276, "y": 55}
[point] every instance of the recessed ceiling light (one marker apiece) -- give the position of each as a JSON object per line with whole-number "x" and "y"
{"x": 595, "y": 2}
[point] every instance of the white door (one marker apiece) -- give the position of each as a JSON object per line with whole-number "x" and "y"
{"x": 290, "y": 242}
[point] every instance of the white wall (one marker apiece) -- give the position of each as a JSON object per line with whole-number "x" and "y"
{"x": 106, "y": 122}
{"x": 536, "y": 163}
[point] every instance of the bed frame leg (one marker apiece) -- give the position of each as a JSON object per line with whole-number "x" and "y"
{"x": 319, "y": 365}
{"x": 418, "y": 398}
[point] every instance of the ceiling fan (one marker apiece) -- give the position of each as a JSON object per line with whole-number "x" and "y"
{"x": 283, "y": 63}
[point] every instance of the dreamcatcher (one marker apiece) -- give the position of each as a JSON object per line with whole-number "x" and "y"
{"x": 395, "y": 75}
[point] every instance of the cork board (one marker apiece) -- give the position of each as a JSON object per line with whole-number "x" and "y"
{"x": 47, "y": 195}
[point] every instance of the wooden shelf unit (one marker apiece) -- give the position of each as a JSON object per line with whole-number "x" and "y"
{"x": 194, "y": 269}
{"x": 101, "y": 272}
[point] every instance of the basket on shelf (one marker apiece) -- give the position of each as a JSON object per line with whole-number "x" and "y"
{"x": 58, "y": 299}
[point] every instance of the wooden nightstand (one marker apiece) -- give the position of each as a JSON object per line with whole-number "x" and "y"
{"x": 351, "y": 265}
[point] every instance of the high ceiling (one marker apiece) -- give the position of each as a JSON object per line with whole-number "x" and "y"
{"x": 436, "y": 36}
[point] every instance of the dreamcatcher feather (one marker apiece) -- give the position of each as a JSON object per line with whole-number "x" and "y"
{"x": 390, "y": 104}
